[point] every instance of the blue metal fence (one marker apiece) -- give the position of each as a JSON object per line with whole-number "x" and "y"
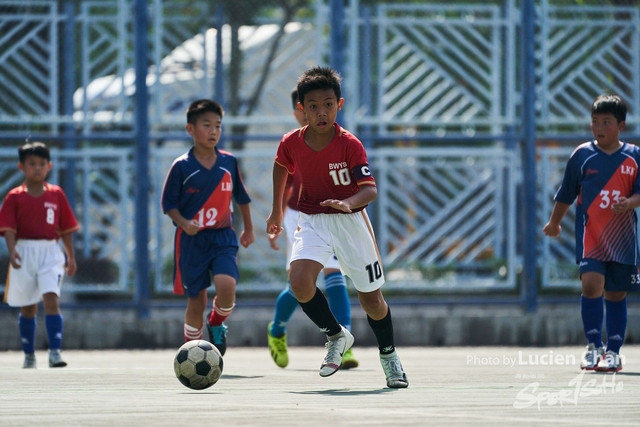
{"x": 502, "y": 75}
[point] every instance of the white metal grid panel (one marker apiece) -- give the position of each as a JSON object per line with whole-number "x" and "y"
{"x": 436, "y": 209}
{"x": 440, "y": 68}
{"x": 448, "y": 209}
{"x": 585, "y": 51}
{"x": 29, "y": 43}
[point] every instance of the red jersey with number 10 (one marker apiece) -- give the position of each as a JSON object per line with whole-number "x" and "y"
{"x": 37, "y": 218}
{"x": 335, "y": 172}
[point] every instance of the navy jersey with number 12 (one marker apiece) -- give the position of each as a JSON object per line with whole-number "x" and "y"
{"x": 598, "y": 179}
{"x": 204, "y": 194}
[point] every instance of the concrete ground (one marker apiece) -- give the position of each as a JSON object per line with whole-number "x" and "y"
{"x": 452, "y": 386}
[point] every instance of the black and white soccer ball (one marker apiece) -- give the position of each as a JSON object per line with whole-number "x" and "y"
{"x": 198, "y": 364}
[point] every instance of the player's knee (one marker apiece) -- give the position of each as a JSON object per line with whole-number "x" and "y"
{"x": 51, "y": 304}
{"x": 29, "y": 311}
{"x": 373, "y": 303}
{"x": 615, "y": 296}
{"x": 303, "y": 291}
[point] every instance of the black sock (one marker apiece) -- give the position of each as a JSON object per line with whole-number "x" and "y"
{"x": 383, "y": 330}
{"x": 317, "y": 309}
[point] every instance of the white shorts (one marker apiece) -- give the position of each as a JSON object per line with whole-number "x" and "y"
{"x": 290, "y": 224}
{"x": 350, "y": 237}
{"x": 41, "y": 272}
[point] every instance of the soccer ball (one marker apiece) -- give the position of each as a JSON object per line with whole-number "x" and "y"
{"x": 198, "y": 364}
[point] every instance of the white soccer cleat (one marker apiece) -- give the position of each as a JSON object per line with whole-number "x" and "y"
{"x": 610, "y": 362}
{"x": 591, "y": 357}
{"x": 55, "y": 359}
{"x": 335, "y": 350}
{"x": 396, "y": 378}
{"x": 29, "y": 361}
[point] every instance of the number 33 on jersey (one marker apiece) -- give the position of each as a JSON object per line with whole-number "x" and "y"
{"x": 598, "y": 180}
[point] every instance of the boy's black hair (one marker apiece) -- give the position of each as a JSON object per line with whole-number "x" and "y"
{"x": 319, "y": 78}
{"x": 294, "y": 97}
{"x": 201, "y": 106}
{"x": 611, "y": 104}
{"x": 34, "y": 149}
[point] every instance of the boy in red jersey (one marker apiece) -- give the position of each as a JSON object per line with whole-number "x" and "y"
{"x": 33, "y": 217}
{"x": 197, "y": 196}
{"x": 603, "y": 175}
{"x": 335, "y": 285}
{"x": 336, "y": 186}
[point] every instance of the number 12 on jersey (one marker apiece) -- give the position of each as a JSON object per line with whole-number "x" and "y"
{"x": 209, "y": 215}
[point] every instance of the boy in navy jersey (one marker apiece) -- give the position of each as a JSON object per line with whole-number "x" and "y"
{"x": 336, "y": 186}
{"x": 197, "y": 196}
{"x": 603, "y": 175}
{"x": 335, "y": 284}
{"x": 33, "y": 217}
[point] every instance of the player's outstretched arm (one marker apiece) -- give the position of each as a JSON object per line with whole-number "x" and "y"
{"x": 247, "y": 237}
{"x": 274, "y": 221}
{"x": 14, "y": 256}
{"x": 364, "y": 196}
{"x": 553, "y": 228}
{"x": 273, "y": 241}
{"x": 67, "y": 241}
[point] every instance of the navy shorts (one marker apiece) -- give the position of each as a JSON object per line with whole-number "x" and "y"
{"x": 617, "y": 277}
{"x": 198, "y": 258}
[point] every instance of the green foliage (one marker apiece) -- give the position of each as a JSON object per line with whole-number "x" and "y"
{"x": 96, "y": 271}
{"x": 273, "y": 274}
{"x": 248, "y": 12}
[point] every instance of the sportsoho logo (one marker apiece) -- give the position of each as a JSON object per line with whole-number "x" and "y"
{"x": 575, "y": 390}
{"x": 536, "y": 394}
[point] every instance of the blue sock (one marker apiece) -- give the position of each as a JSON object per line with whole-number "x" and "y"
{"x": 336, "y": 289}
{"x": 616, "y": 319}
{"x": 286, "y": 304}
{"x": 27, "y": 333}
{"x": 592, "y": 310}
{"x": 54, "y": 330}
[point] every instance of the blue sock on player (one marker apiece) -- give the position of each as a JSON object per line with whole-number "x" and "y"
{"x": 54, "y": 330}
{"x": 616, "y": 319}
{"x": 286, "y": 304}
{"x": 336, "y": 290}
{"x": 27, "y": 333}
{"x": 592, "y": 310}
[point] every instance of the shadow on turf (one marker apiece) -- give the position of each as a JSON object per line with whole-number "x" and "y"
{"x": 240, "y": 377}
{"x": 626, "y": 374}
{"x": 346, "y": 391}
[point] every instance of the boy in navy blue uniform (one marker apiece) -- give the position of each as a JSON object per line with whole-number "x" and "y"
{"x": 197, "y": 196}
{"x": 603, "y": 175}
